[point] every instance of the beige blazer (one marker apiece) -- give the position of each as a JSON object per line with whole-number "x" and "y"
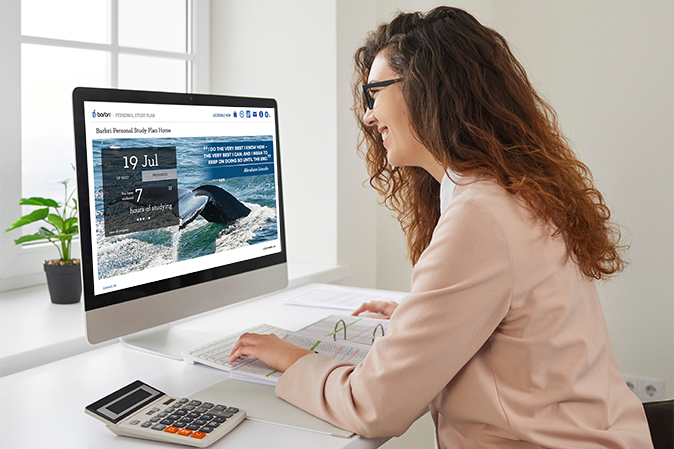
{"x": 501, "y": 337}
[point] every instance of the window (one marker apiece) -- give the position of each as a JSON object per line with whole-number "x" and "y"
{"x": 128, "y": 44}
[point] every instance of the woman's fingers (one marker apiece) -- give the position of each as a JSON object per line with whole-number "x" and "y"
{"x": 272, "y": 350}
{"x": 384, "y": 307}
{"x": 242, "y": 347}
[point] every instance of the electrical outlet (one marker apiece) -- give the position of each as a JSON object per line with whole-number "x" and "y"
{"x": 646, "y": 388}
{"x": 652, "y": 390}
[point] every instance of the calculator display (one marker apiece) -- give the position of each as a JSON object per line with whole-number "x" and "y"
{"x": 128, "y": 401}
{"x": 125, "y": 401}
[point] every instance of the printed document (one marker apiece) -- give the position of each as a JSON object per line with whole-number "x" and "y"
{"x": 342, "y": 298}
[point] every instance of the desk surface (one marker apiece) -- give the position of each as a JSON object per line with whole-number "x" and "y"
{"x": 61, "y": 389}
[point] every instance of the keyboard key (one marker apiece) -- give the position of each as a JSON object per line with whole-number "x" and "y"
{"x": 158, "y": 427}
{"x": 184, "y": 432}
{"x": 171, "y": 429}
{"x": 206, "y": 429}
{"x": 199, "y": 435}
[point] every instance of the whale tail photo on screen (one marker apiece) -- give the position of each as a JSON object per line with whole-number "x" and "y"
{"x": 211, "y": 202}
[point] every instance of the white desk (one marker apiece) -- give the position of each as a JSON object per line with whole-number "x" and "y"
{"x": 44, "y": 406}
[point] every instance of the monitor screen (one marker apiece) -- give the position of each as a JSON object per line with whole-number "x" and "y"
{"x": 180, "y": 201}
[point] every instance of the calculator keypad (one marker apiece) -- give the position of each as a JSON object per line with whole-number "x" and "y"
{"x": 185, "y": 417}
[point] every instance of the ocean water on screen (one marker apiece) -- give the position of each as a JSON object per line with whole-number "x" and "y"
{"x": 142, "y": 250}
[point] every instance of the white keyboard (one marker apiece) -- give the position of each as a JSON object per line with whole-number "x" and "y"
{"x": 216, "y": 353}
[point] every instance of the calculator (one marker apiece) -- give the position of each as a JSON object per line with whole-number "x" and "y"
{"x": 141, "y": 411}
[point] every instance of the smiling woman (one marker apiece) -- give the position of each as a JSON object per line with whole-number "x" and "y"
{"x": 502, "y": 336}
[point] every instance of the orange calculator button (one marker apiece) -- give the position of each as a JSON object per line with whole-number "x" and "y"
{"x": 172, "y": 429}
{"x": 185, "y": 432}
{"x": 199, "y": 435}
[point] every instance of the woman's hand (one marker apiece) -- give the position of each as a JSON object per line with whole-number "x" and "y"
{"x": 386, "y": 308}
{"x": 272, "y": 350}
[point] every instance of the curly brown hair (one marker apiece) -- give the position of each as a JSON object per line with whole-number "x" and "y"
{"x": 472, "y": 106}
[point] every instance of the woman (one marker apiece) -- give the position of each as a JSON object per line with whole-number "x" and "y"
{"x": 502, "y": 335}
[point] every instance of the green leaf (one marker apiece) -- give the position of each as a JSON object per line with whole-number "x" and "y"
{"x": 37, "y": 201}
{"x": 36, "y": 215}
{"x": 70, "y": 222}
{"x": 55, "y": 221}
{"x": 46, "y": 232}
{"x": 29, "y": 238}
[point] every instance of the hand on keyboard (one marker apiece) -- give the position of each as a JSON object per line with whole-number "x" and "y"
{"x": 216, "y": 353}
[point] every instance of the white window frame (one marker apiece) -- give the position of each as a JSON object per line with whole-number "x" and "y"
{"x": 21, "y": 265}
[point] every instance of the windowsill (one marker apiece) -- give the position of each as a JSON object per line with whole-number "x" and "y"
{"x": 33, "y": 331}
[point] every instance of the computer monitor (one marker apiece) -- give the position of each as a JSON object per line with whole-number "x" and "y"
{"x": 180, "y": 210}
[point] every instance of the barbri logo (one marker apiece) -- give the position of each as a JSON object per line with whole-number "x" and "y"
{"x": 95, "y": 114}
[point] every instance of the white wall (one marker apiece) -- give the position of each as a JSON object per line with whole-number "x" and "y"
{"x": 356, "y": 205}
{"x": 286, "y": 50}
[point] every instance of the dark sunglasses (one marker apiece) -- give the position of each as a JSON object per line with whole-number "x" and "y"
{"x": 367, "y": 87}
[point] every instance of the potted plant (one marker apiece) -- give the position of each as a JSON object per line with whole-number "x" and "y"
{"x": 63, "y": 274}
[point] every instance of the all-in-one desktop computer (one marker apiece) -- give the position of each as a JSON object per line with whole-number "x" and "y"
{"x": 181, "y": 209}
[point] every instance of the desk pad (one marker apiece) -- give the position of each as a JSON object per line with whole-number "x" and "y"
{"x": 261, "y": 404}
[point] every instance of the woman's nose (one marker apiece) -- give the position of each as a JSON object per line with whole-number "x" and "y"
{"x": 368, "y": 117}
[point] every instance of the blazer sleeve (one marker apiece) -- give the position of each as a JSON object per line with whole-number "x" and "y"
{"x": 461, "y": 291}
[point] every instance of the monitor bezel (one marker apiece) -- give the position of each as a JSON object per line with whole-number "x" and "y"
{"x": 92, "y": 301}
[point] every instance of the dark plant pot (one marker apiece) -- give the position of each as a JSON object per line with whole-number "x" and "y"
{"x": 65, "y": 283}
